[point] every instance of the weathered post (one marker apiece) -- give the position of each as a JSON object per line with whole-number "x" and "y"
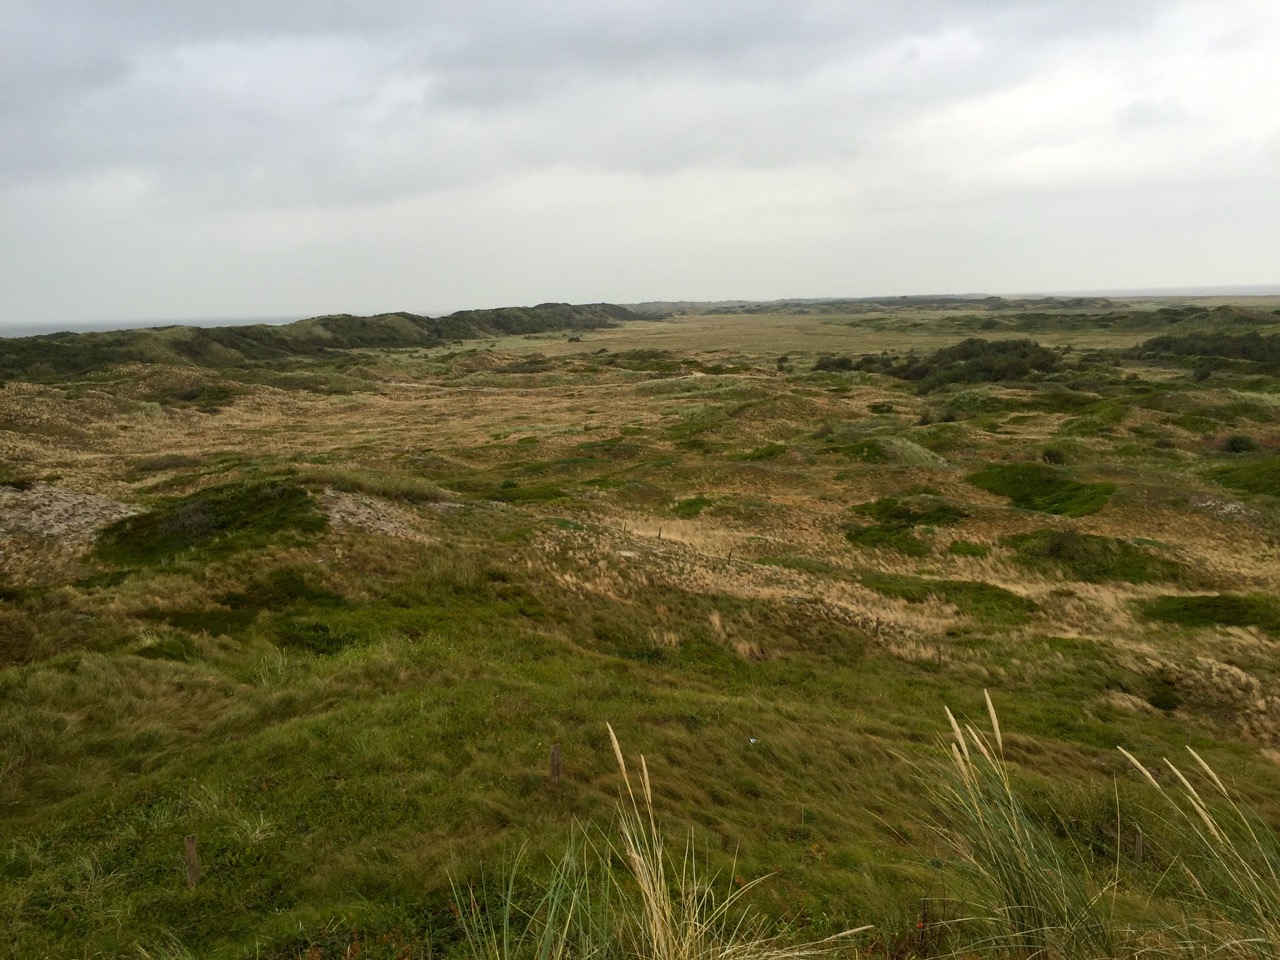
{"x": 193, "y": 862}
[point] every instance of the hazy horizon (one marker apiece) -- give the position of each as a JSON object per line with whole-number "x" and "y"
{"x": 107, "y": 325}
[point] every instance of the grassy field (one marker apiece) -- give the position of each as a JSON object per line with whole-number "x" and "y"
{"x": 330, "y": 614}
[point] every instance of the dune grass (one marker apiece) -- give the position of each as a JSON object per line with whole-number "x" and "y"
{"x": 354, "y": 718}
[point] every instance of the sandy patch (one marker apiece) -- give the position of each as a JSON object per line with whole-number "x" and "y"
{"x": 366, "y": 514}
{"x": 68, "y": 516}
{"x": 44, "y": 528}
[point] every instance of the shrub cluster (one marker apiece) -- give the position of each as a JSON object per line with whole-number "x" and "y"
{"x": 971, "y": 361}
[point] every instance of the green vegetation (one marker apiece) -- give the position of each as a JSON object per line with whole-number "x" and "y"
{"x": 971, "y": 361}
{"x": 1260, "y": 475}
{"x": 1262, "y": 352}
{"x": 392, "y": 486}
{"x": 896, "y": 521}
{"x": 1239, "y": 443}
{"x": 967, "y": 548}
{"x": 367, "y": 589}
{"x": 1090, "y": 558}
{"x": 1217, "y": 610}
{"x": 64, "y": 354}
{"x": 1035, "y": 486}
{"x": 973, "y": 598}
{"x": 691, "y": 507}
{"x": 235, "y": 516}
{"x": 1027, "y": 892}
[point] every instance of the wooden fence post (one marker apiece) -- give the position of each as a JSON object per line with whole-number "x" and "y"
{"x": 193, "y": 862}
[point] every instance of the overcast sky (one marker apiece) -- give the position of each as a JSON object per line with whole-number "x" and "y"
{"x": 161, "y": 159}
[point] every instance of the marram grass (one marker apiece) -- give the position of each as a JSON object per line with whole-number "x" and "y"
{"x": 1027, "y": 898}
{"x": 656, "y": 907}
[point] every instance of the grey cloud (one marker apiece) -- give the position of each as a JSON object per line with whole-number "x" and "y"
{"x": 330, "y": 111}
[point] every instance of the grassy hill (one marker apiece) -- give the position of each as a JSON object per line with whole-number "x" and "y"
{"x": 57, "y": 355}
{"x": 329, "y": 614}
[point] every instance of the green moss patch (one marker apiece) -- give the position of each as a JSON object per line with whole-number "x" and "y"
{"x": 1035, "y": 486}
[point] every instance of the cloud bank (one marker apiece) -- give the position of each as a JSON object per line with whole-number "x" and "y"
{"x": 287, "y": 158}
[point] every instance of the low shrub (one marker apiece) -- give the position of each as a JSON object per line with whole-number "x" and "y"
{"x": 691, "y": 507}
{"x": 971, "y": 361}
{"x": 896, "y": 520}
{"x": 1239, "y": 443}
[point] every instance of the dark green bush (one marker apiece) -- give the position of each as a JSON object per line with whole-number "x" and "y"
{"x": 1239, "y": 443}
{"x": 971, "y": 361}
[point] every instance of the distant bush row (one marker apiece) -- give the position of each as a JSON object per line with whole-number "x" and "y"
{"x": 971, "y": 361}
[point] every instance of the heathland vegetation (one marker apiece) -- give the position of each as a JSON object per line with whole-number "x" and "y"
{"x": 358, "y": 604}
